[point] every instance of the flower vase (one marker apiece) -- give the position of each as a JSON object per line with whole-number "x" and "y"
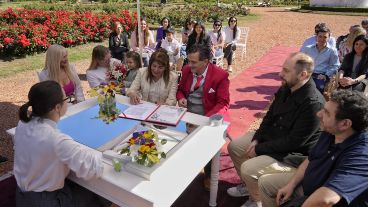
{"x": 108, "y": 106}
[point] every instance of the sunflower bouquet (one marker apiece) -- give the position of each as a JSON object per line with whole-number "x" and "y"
{"x": 145, "y": 148}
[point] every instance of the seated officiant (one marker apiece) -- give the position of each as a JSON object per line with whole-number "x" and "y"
{"x": 204, "y": 88}
{"x": 156, "y": 84}
{"x": 43, "y": 156}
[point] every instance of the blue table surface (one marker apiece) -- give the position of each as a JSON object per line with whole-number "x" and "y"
{"x": 86, "y": 129}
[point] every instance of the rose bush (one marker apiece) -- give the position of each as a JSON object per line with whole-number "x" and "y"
{"x": 25, "y": 31}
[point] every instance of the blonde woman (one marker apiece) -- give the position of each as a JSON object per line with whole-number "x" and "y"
{"x": 156, "y": 84}
{"x": 57, "y": 68}
{"x": 346, "y": 45}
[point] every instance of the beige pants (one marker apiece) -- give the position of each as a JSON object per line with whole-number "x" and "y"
{"x": 250, "y": 170}
{"x": 270, "y": 184}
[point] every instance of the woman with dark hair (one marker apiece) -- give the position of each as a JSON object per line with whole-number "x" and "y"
{"x": 217, "y": 38}
{"x": 118, "y": 42}
{"x": 199, "y": 37}
{"x": 156, "y": 84}
{"x": 161, "y": 32}
{"x": 354, "y": 67}
{"x": 232, "y": 36}
{"x": 187, "y": 29}
{"x": 43, "y": 156}
{"x": 147, "y": 42}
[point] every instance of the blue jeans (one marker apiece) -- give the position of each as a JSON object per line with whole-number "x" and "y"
{"x": 320, "y": 83}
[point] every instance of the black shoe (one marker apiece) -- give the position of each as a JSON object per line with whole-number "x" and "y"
{"x": 3, "y": 159}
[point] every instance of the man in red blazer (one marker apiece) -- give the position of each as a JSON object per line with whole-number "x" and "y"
{"x": 204, "y": 89}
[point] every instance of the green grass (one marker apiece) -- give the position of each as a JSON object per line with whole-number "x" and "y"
{"x": 36, "y": 62}
{"x": 14, "y": 5}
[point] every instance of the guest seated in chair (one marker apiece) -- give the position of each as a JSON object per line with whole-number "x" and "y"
{"x": 232, "y": 36}
{"x": 57, "y": 68}
{"x": 161, "y": 32}
{"x": 287, "y": 133}
{"x": 133, "y": 63}
{"x": 156, "y": 84}
{"x": 172, "y": 46}
{"x": 199, "y": 37}
{"x": 147, "y": 42}
{"x": 43, "y": 156}
{"x": 204, "y": 89}
{"x": 118, "y": 42}
{"x": 354, "y": 68}
{"x": 326, "y": 60}
{"x": 100, "y": 65}
{"x": 346, "y": 46}
{"x": 335, "y": 172}
{"x": 312, "y": 40}
{"x": 217, "y": 38}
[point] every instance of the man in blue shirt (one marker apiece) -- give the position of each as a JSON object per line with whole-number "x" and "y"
{"x": 336, "y": 171}
{"x": 313, "y": 39}
{"x": 326, "y": 60}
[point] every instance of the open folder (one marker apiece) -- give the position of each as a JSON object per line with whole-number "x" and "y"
{"x": 160, "y": 114}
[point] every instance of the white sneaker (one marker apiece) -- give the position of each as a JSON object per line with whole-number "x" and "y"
{"x": 230, "y": 69}
{"x": 251, "y": 203}
{"x": 238, "y": 191}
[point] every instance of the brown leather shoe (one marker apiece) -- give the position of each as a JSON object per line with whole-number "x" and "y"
{"x": 207, "y": 184}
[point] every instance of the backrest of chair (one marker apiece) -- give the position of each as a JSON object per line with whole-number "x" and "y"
{"x": 244, "y": 31}
{"x": 38, "y": 75}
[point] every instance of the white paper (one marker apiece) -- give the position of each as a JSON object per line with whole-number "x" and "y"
{"x": 167, "y": 114}
{"x": 140, "y": 111}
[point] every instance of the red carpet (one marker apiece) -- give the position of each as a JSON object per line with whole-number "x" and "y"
{"x": 251, "y": 91}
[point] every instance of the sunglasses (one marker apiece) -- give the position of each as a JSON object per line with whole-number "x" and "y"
{"x": 69, "y": 99}
{"x": 217, "y": 25}
{"x": 232, "y": 20}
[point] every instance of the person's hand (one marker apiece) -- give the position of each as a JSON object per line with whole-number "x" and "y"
{"x": 182, "y": 102}
{"x": 284, "y": 194}
{"x": 321, "y": 77}
{"x": 134, "y": 98}
{"x": 251, "y": 151}
{"x": 346, "y": 81}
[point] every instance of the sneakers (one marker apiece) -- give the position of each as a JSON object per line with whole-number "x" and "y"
{"x": 229, "y": 69}
{"x": 251, "y": 203}
{"x": 238, "y": 191}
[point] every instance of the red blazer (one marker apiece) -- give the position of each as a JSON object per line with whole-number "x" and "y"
{"x": 214, "y": 101}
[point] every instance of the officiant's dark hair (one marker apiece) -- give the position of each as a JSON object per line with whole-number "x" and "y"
{"x": 204, "y": 52}
{"x": 42, "y": 98}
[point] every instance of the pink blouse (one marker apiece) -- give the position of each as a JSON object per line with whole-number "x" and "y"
{"x": 69, "y": 88}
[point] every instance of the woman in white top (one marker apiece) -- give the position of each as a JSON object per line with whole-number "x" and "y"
{"x": 57, "y": 68}
{"x": 43, "y": 156}
{"x": 156, "y": 84}
{"x": 147, "y": 41}
{"x": 217, "y": 38}
{"x": 232, "y": 36}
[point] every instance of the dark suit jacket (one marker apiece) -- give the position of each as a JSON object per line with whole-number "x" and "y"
{"x": 291, "y": 125}
{"x": 118, "y": 50}
{"x": 216, "y": 96}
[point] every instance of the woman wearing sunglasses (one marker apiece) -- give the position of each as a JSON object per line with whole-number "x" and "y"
{"x": 232, "y": 36}
{"x": 217, "y": 38}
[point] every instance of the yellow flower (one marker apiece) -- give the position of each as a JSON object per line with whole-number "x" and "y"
{"x": 131, "y": 141}
{"x": 93, "y": 92}
{"x": 147, "y": 134}
{"x": 153, "y": 158}
{"x": 144, "y": 148}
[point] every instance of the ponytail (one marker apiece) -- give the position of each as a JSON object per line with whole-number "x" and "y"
{"x": 23, "y": 113}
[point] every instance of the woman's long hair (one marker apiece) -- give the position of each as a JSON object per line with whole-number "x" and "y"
{"x": 54, "y": 55}
{"x": 145, "y": 34}
{"x": 235, "y": 27}
{"x": 355, "y": 32}
{"x": 349, "y": 58}
{"x": 193, "y": 36}
{"x": 42, "y": 98}
{"x": 98, "y": 53}
{"x": 161, "y": 57}
{"x": 219, "y": 30}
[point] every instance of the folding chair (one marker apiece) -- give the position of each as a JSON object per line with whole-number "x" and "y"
{"x": 244, "y": 31}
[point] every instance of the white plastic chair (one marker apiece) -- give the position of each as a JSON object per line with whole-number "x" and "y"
{"x": 242, "y": 47}
{"x": 219, "y": 60}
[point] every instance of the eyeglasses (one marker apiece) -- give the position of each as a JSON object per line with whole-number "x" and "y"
{"x": 233, "y": 20}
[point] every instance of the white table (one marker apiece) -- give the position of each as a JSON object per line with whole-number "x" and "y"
{"x": 171, "y": 178}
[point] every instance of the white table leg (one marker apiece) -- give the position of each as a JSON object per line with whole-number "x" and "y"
{"x": 215, "y": 167}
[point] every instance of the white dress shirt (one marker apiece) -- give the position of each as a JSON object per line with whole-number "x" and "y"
{"x": 171, "y": 48}
{"x": 97, "y": 77}
{"x": 43, "y": 157}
